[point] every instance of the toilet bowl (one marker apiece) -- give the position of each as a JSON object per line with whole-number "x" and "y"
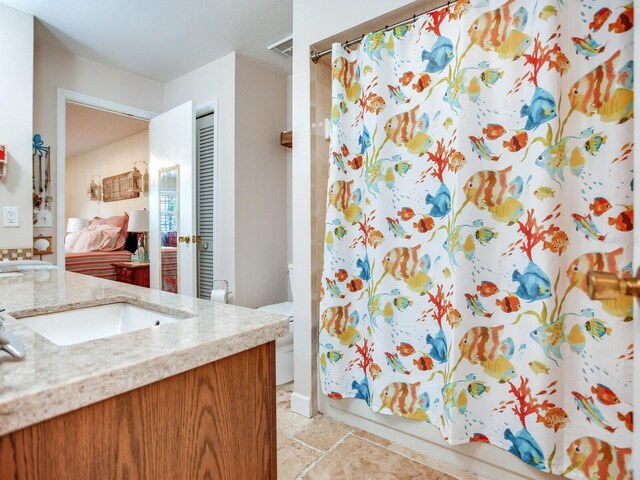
{"x": 284, "y": 345}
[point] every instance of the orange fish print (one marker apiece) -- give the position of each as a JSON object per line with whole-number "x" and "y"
{"x": 599, "y": 19}
{"x": 456, "y": 161}
{"x": 489, "y": 188}
{"x": 599, "y": 206}
{"x": 406, "y": 78}
{"x": 344, "y": 150}
{"x": 479, "y": 438}
{"x": 596, "y": 458}
{"x": 406, "y": 213}
{"x": 424, "y": 363}
{"x": 424, "y": 224}
{"x": 555, "y": 418}
{"x": 423, "y": 82}
{"x": 481, "y": 344}
{"x": 375, "y": 103}
{"x": 517, "y": 142}
{"x": 487, "y": 289}
{"x": 341, "y": 275}
{"x": 403, "y": 399}
{"x": 605, "y": 395}
{"x": 557, "y": 244}
{"x": 375, "y": 238}
{"x": 627, "y": 419}
{"x": 335, "y": 319}
{"x": 348, "y": 75}
{"x": 602, "y": 262}
{"x": 454, "y": 317}
{"x": 405, "y": 349}
{"x": 340, "y": 194}
{"x": 624, "y": 221}
{"x": 509, "y": 304}
{"x": 599, "y": 92}
{"x": 624, "y": 22}
{"x": 408, "y": 130}
{"x": 354, "y": 285}
{"x": 499, "y": 30}
{"x": 494, "y": 131}
{"x": 356, "y": 162}
{"x": 334, "y": 396}
{"x": 403, "y": 264}
{"x": 375, "y": 371}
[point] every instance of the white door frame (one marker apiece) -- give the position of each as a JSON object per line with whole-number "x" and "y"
{"x": 64, "y": 96}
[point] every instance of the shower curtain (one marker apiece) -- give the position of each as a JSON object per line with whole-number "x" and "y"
{"x": 480, "y": 166}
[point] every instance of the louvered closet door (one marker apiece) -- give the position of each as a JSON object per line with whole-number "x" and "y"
{"x": 205, "y": 203}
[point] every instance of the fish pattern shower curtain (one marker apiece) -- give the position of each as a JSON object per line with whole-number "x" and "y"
{"x": 480, "y": 166}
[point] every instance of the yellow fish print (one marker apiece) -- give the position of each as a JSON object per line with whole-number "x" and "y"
{"x": 348, "y": 75}
{"x": 409, "y": 131}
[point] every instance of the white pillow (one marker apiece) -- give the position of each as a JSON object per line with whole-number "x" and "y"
{"x": 70, "y": 240}
{"x": 97, "y": 238}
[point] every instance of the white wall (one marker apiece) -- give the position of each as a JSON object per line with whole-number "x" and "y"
{"x": 315, "y": 22}
{"x": 16, "y": 121}
{"x": 216, "y": 80}
{"x": 252, "y": 171}
{"x": 54, "y": 69}
{"x": 289, "y": 178}
{"x": 113, "y": 159}
{"x": 260, "y": 184}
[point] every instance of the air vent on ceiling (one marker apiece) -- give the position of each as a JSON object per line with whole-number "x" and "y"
{"x": 284, "y": 46}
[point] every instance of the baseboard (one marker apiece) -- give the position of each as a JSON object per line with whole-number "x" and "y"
{"x": 301, "y": 404}
{"x": 486, "y": 461}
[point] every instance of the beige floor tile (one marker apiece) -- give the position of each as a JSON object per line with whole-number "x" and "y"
{"x": 452, "y": 472}
{"x": 289, "y": 423}
{"x": 323, "y": 432}
{"x": 371, "y": 437}
{"x": 283, "y": 395}
{"x": 294, "y": 457}
{"x": 355, "y": 458}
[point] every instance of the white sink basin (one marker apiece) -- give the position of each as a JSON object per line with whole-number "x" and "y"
{"x": 85, "y": 324}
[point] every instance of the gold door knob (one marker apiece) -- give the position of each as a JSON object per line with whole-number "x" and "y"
{"x": 186, "y": 239}
{"x": 607, "y": 286}
{"x": 197, "y": 239}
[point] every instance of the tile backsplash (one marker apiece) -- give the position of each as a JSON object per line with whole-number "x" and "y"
{"x": 16, "y": 253}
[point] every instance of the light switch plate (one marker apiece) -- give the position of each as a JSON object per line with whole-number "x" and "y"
{"x": 10, "y": 217}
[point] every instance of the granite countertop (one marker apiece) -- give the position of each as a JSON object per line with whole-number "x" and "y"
{"x": 53, "y": 379}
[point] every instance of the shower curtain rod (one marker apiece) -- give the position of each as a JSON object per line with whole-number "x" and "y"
{"x": 316, "y": 56}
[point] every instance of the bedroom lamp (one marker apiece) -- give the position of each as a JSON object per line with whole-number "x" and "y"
{"x": 76, "y": 224}
{"x": 139, "y": 223}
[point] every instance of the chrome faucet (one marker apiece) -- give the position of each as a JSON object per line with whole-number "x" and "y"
{"x": 10, "y": 343}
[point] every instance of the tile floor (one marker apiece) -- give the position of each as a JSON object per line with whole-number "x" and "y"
{"x": 323, "y": 448}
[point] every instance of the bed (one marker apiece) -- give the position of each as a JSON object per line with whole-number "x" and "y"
{"x": 92, "y": 250}
{"x": 96, "y": 264}
{"x": 169, "y": 269}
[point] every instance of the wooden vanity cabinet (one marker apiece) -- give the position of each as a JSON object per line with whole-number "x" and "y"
{"x": 217, "y": 421}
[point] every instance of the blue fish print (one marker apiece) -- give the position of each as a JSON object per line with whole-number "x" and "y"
{"x": 534, "y": 283}
{"x": 625, "y": 75}
{"x": 541, "y": 110}
{"x": 365, "y": 268}
{"x": 364, "y": 140}
{"x": 438, "y": 347}
{"x": 525, "y": 448}
{"x": 440, "y": 55}
{"x": 440, "y": 202}
{"x": 362, "y": 390}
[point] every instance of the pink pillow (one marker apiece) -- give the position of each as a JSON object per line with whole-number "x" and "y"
{"x": 121, "y": 221}
{"x": 97, "y": 238}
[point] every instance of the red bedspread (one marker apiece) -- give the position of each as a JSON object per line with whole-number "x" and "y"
{"x": 96, "y": 264}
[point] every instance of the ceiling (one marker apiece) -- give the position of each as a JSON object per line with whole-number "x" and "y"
{"x": 89, "y": 128}
{"x": 162, "y": 39}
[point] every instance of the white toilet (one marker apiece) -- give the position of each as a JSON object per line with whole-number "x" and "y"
{"x": 284, "y": 346}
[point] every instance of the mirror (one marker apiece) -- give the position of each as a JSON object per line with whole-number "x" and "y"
{"x": 168, "y": 186}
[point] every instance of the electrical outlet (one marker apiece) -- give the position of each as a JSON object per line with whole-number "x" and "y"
{"x": 10, "y": 217}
